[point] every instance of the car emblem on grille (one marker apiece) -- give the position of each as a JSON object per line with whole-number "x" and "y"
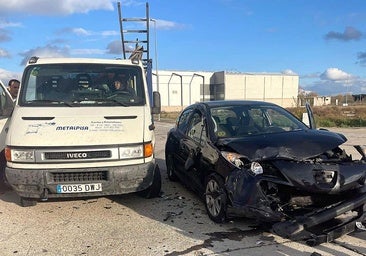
{"x": 76, "y": 155}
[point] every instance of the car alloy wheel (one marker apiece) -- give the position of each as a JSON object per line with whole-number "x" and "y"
{"x": 215, "y": 198}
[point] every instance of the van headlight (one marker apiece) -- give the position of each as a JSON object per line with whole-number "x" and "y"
{"x": 19, "y": 155}
{"x": 136, "y": 151}
{"x": 131, "y": 152}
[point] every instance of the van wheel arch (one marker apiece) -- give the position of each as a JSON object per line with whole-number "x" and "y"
{"x": 155, "y": 187}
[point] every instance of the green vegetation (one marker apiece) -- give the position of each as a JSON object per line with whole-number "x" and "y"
{"x": 325, "y": 116}
{"x": 335, "y": 116}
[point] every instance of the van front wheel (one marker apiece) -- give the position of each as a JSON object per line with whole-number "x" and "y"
{"x": 27, "y": 202}
{"x": 155, "y": 188}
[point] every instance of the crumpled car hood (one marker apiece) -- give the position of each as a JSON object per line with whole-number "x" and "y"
{"x": 296, "y": 145}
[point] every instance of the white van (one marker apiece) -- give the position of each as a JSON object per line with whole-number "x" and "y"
{"x": 74, "y": 134}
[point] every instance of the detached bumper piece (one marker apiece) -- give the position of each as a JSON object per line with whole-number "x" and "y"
{"x": 321, "y": 226}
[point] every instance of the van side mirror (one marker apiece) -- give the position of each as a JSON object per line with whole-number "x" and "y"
{"x": 156, "y": 104}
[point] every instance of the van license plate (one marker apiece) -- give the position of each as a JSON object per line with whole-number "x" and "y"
{"x": 79, "y": 188}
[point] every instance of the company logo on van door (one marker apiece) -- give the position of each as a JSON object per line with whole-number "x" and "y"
{"x": 72, "y": 128}
{"x": 76, "y": 155}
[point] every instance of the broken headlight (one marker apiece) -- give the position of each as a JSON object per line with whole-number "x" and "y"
{"x": 256, "y": 168}
{"x": 233, "y": 158}
{"x": 324, "y": 176}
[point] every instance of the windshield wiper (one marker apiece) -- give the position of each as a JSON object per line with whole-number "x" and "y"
{"x": 104, "y": 100}
{"x": 112, "y": 100}
{"x": 118, "y": 102}
{"x": 69, "y": 104}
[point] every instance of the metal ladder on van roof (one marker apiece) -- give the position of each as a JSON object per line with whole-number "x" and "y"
{"x": 135, "y": 39}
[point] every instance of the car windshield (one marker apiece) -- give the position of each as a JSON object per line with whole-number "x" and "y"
{"x": 82, "y": 85}
{"x": 239, "y": 121}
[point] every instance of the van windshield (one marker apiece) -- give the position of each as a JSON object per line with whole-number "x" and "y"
{"x": 82, "y": 85}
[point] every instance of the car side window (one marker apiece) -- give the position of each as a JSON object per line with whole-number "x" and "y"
{"x": 258, "y": 118}
{"x": 197, "y": 128}
{"x": 182, "y": 122}
{"x": 277, "y": 119}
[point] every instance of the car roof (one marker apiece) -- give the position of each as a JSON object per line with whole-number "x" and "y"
{"x": 223, "y": 103}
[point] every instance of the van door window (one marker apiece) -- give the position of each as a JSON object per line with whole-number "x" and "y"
{"x": 6, "y": 102}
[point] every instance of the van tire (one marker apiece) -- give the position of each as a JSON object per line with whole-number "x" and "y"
{"x": 155, "y": 188}
{"x": 27, "y": 202}
{"x": 3, "y": 181}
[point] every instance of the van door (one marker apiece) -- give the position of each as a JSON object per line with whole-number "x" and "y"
{"x": 309, "y": 111}
{"x": 6, "y": 108}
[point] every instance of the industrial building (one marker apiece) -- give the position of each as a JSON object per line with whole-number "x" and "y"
{"x": 179, "y": 89}
{"x": 182, "y": 88}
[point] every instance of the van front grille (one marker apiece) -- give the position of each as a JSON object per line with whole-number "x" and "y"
{"x": 77, "y": 155}
{"x": 79, "y": 176}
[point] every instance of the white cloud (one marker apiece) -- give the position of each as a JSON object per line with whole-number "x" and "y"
{"x": 349, "y": 34}
{"x": 86, "y": 51}
{"x": 4, "y": 35}
{"x": 165, "y": 24}
{"x": 4, "y": 53}
{"x": 4, "y": 24}
{"x": 45, "y": 51}
{"x": 53, "y": 51}
{"x": 335, "y": 74}
{"x": 311, "y": 75}
{"x": 288, "y": 72}
{"x": 110, "y": 33}
{"x": 80, "y": 32}
{"x": 114, "y": 47}
{"x": 6, "y": 75}
{"x": 52, "y": 7}
{"x": 84, "y": 32}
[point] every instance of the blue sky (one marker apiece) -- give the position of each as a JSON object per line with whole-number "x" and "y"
{"x": 321, "y": 41}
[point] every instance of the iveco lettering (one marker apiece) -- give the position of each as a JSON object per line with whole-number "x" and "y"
{"x": 76, "y": 155}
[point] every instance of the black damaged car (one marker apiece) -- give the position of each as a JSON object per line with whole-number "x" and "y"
{"x": 256, "y": 160}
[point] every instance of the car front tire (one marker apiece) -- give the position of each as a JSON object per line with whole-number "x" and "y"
{"x": 215, "y": 198}
{"x": 170, "y": 168}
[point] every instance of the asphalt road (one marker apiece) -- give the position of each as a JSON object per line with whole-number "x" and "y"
{"x": 173, "y": 224}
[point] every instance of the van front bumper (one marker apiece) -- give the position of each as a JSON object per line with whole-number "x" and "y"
{"x": 44, "y": 183}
